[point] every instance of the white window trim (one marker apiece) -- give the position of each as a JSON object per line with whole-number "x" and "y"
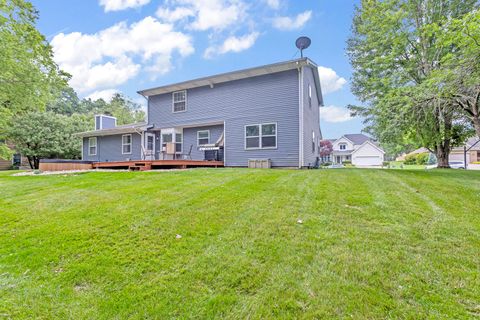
{"x": 175, "y": 141}
{"x": 260, "y": 136}
{"x": 198, "y": 137}
{"x": 340, "y": 146}
{"x": 148, "y": 135}
{"x": 173, "y": 101}
{"x": 126, "y": 144}
{"x": 90, "y": 146}
{"x": 310, "y": 96}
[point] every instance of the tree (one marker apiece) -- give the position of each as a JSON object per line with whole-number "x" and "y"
{"x": 459, "y": 76}
{"x": 394, "y": 49}
{"x": 326, "y": 148}
{"x": 29, "y": 77}
{"x": 43, "y": 135}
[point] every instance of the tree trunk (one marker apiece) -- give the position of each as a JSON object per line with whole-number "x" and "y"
{"x": 442, "y": 152}
{"x": 36, "y": 162}
{"x": 30, "y": 162}
{"x": 476, "y": 125}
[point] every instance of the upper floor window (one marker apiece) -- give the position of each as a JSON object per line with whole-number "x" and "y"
{"x": 203, "y": 137}
{"x": 310, "y": 96}
{"x": 127, "y": 144}
{"x": 92, "y": 146}
{"x": 261, "y": 136}
{"x": 180, "y": 101}
{"x": 342, "y": 146}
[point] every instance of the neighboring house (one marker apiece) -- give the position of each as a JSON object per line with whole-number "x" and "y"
{"x": 16, "y": 161}
{"x": 473, "y": 155}
{"x": 267, "y": 112}
{"x": 358, "y": 149}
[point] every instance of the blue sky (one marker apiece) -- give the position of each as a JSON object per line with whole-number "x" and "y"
{"x": 128, "y": 45}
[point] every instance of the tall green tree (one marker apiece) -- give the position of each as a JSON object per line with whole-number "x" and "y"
{"x": 394, "y": 49}
{"x": 29, "y": 77}
{"x": 43, "y": 135}
{"x": 458, "y": 78}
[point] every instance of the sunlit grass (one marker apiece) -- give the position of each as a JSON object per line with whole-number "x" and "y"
{"x": 227, "y": 244}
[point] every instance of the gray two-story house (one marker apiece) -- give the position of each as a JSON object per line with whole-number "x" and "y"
{"x": 267, "y": 112}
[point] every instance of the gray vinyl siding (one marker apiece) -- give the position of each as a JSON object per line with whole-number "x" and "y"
{"x": 311, "y": 118}
{"x": 262, "y": 99}
{"x": 190, "y": 139}
{"x": 109, "y": 148}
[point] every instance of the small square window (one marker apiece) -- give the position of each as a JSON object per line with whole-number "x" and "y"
{"x": 203, "y": 137}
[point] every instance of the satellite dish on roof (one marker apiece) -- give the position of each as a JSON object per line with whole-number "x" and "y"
{"x": 303, "y": 43}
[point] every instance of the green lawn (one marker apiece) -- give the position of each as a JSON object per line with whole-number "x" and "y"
{"x": 373, "y": 244}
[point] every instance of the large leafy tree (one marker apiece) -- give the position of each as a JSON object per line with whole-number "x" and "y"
{"x": 123, "y": 108}
{"x": 40, "y": 135}
{"x": 458, "y": 79}
{"x": 394, "y": 49}
{"x": 29, "y": 77}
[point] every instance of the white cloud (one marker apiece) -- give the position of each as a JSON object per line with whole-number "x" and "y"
{"x": 329, "y": 80}
{"x": 204, "y": 14}
{"x": 173, "y": 15}
{"x": 115, "y": 55}
{"x": 117, "y": 5}
{"x": 233, "y": 44}
{"x": 274, "y": 4}
{"x": 106, "y": 95}
{"x": 288, "y": 23}
{"x": 335, "y": 114}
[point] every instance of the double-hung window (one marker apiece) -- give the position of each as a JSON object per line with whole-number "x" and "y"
{"x": 127, "y": 144}
{"x": 342, "y": 146}
{"x": 92, "y": 146}
{"x": 180, "y": 101}
{"x": 178, "y": 142}
{"x": 203, "y": 137}
{"x": 261, "y": 136}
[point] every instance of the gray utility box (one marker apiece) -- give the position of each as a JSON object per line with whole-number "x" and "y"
{"x": 259, "y": 163}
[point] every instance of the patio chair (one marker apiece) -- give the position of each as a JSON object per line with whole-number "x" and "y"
{"x": 188, "y": 155}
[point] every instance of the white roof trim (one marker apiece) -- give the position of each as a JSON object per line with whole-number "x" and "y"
{"x": 371, "y": 143}
{"x": 231, "y": 76}
{"x": 131, "y": 128}
{"x": 343, "y": 137}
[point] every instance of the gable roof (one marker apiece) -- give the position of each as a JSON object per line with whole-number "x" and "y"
{"x": 357, "y": 138}
{"x": 237, "y": 75}
{"x": 370, "y": 142}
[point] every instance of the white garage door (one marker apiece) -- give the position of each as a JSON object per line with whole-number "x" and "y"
{"x": 367, "y": 161}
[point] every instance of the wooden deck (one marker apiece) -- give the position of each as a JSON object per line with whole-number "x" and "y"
{"x": 143, "y": 165}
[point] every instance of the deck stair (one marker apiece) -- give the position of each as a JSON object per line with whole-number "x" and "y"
{"x": 140, "y": 166}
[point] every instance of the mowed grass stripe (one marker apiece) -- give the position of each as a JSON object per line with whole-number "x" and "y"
{"x": 102, "y": 245}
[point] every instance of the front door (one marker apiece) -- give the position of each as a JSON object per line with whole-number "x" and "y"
{"x": 339, "y": 159}
{"x": 150, "y": 146}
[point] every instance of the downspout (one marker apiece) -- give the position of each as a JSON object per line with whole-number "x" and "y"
{"x": 300, "y": 117}
{"x": 142, "y": 141}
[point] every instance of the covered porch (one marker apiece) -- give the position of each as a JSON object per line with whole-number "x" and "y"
{"x": 339, "y": 157}
{"x": 199, "y": 142}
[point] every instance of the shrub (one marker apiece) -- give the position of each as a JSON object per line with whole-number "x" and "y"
{"x": 325, "y": 164}
{"x": 422, "y": 158}
{"x": 385, "y": 164}
{"x": 347, "y": 162}
{"x": 410, "y": 159}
